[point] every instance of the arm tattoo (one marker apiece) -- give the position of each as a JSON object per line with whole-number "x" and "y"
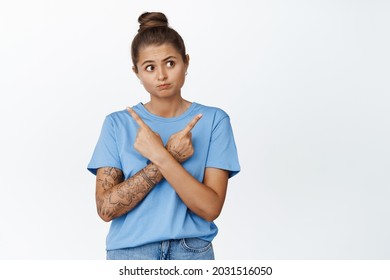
{"x": 147, "y": 179}
{"x": 115, "y": 197}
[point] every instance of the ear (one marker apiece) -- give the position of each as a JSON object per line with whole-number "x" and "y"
{"x": 135, "y": 70}
{"x": 188, "y": 61}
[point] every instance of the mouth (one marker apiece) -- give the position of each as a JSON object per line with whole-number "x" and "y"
{"x": 164, "y": 86}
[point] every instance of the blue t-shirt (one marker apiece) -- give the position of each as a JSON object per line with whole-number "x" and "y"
{"x": 162, "y": 215}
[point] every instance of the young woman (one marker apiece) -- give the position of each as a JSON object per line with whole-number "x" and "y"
{"x": 162, "y": 167}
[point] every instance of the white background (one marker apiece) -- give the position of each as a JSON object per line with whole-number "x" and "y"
{"x": 306, "y": 84}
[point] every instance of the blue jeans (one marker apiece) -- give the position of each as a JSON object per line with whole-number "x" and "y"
{"x": 177, "y": 249}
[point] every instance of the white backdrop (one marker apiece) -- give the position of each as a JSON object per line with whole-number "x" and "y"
{"x": 306, "y": 84}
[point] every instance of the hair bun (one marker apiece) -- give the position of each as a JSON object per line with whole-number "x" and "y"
{"x": 150, "y": 20}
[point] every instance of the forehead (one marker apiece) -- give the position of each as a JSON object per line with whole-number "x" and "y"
{"x": 157, "y": 53}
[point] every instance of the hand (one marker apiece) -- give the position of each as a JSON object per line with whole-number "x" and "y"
{"x": 147, "y": 142}
{"x": 179, "y": 144}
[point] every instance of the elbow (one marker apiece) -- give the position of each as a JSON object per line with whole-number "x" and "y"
{"x": 105, "y": 218}
{"x": 105, "y": 215}
{"x": 211, "y": 209}
{"x": 210, "y": 218}
{"x": 211, "y": 215}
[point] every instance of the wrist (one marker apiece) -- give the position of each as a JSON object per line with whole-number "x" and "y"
{"x": 176, "y": 155}
{"x": 157, "y": 154}
{"x": 162, "y": 158}
{"x": 153, "y": 173}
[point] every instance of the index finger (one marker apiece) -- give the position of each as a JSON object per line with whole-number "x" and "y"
{"x": 192, "y": 123}
{"x": 135, "y": 116}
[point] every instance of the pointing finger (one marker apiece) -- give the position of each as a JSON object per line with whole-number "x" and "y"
{"x": 191, "y": 124}
{"x": 135, "y": 116}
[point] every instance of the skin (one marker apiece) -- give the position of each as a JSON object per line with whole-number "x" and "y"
{"x": 115, "y": 197}
{"x": 161, "y": 70}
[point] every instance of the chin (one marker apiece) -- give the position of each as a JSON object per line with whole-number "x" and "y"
{"x": 165, "y": 93}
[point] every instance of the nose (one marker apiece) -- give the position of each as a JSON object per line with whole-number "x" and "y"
{"x": 161, "y": 74}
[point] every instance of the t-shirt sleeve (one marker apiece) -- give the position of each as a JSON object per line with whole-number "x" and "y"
{"x": 222, "y": 151}
{"x": 106, "y": 151}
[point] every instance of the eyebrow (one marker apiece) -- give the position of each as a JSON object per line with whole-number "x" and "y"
{"x": 165, "y": 59}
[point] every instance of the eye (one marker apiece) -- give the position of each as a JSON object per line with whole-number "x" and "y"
{"x": 170, "y": 64}
{"x": 149, "y": 68}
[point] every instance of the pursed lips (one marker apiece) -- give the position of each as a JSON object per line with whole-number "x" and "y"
{"x": 163, "y": 85}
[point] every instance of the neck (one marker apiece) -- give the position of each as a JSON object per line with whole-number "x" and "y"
{"x": 167, "y": 108}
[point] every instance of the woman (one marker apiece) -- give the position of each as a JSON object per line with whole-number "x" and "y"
{"x": 162, "y": 167}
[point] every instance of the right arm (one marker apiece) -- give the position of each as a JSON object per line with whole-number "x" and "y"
{"x": 115, "y": 197}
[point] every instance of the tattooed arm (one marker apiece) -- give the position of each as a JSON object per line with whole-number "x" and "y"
{"x": 115, "y": 197}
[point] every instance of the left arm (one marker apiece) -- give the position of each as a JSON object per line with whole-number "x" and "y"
{"x": 203, "y": 198}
